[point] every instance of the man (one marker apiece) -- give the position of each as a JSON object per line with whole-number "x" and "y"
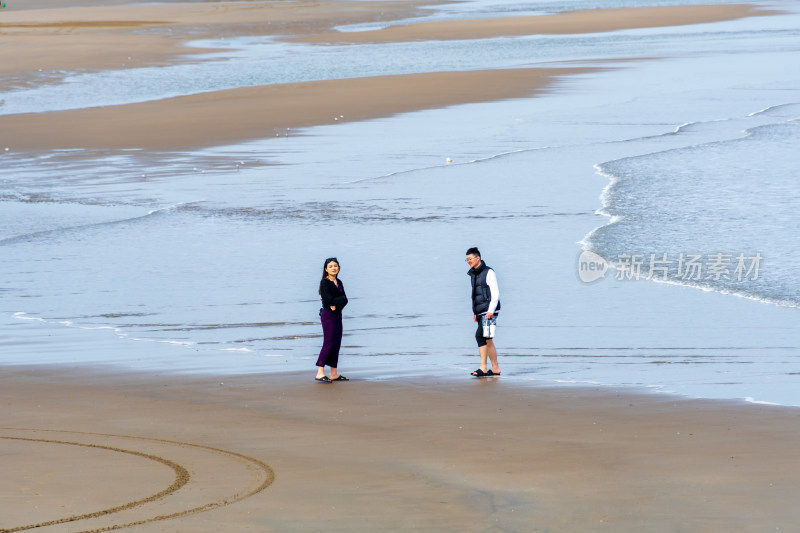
{"x": 485, "y": 306}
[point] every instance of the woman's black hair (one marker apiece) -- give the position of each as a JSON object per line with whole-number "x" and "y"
{"x": 325, "y": 266}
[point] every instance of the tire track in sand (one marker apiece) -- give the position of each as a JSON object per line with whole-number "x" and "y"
{"x": 196, "y": 478}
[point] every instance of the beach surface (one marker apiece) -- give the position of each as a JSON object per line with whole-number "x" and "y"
{"x": 282, "y": 453}
{"x": 87, "y": 449}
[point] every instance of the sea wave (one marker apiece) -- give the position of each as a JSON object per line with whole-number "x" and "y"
{"x": 731, "y": 198}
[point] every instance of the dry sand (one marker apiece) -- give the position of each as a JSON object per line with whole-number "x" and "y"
{"x": 283, "y": 453}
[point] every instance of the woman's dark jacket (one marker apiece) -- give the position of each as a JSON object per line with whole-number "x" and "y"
{"x": 332, "y": 295}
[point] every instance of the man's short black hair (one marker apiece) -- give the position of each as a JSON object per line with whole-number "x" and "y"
{"x": 474, "y": 251}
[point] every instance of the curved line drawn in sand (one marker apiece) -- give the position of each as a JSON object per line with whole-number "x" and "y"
{"x": 257, "y": 468}
{"x": 181, "y": 478}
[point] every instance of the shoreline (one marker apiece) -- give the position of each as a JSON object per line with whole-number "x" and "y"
{"x": 79, "y": 38}
{"x": 54, "y": 36}
{"x": 582, "y": 459}
{"x": 565, "y": 22}
{"x": 264, "y": 112}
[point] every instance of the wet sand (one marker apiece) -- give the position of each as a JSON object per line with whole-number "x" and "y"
{"x": 48, "y": 36}
{"x": 583, "y": 21}
{"x": 47, "y": 42}
{"x": 283, "y": 453}
{"x": 264, "y": 112}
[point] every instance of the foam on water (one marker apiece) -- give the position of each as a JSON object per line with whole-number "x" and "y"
{"x": 737, "y": 197}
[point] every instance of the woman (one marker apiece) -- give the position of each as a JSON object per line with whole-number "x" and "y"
{"x": 331, "y": 292}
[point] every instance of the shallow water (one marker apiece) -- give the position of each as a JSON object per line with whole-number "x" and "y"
{"x": 209, "y": 261}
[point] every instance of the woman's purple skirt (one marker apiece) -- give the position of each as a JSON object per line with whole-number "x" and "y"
{"x": 332, "y": 334}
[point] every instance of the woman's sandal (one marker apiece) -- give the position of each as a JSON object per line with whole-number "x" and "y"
{"x": 340, "y": 378}
{"x": 479, "y": 373}
{"x": 323, "y": 379}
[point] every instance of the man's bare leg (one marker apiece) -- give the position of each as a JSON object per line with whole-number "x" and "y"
{"x": 484, "y": 351}
{"x": 490, "y": 351}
